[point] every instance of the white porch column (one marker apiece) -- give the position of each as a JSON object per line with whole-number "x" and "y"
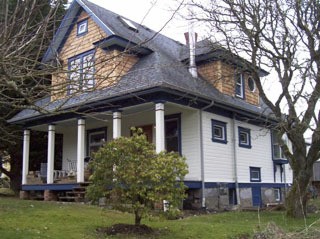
{"x": 80, "y": 150}
{"x": 50, "y": 160}
{"x": 116, "y": 124}
{"x": 26, "y": 149}
{"x": 159, "y": 107}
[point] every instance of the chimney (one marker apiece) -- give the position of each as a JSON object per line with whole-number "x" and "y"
{"x": 191, "y": 39}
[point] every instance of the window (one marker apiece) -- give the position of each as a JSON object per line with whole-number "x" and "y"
{"x": 81, "y": 74}
{"x": 232, "y": 196}
{"x": 277, "y": 194}
{"x": 244, "y": 138}
{"x": 239, "y": 86}
{"x": 219, "y": 131}
{"x": 276, "y": 149}
{"x": 255, "y": 174}
{"x": 95, "y": 139}
{"x": 82, "y": 27}
{"x": 251, "y": 84}
{"x": 172, "y": 133}
{"x": 128, "y": 24}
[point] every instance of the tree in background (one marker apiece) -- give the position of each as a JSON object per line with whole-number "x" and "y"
{"x": 127, "y": 171}
{"x": 284, "y": 38}
{"x": 26, "y": 28}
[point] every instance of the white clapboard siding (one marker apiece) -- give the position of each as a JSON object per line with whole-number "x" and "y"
{"x": 218, "y": 156}
{"x": 259, "y": 155}
{"x": 190, "y": 134}
{"x": 69, "y": 151}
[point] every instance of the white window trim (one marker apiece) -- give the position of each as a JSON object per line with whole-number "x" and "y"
{"x": 241, "y": 85}
{"x": 82, "y": 27}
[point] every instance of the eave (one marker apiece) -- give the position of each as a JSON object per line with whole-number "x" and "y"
{"x": 123, "y": 44}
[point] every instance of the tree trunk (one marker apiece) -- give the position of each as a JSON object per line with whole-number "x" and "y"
{"x": 296, "y": 201}
{"x": 137, "y": 219}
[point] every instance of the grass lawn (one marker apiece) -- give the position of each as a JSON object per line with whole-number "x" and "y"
{"x": 34, "y": 219}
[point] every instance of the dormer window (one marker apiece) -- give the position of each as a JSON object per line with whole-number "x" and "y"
{"x": 239, "y": 86}
{"x": 81, "y": 72}
{"x": 82, "y": 27}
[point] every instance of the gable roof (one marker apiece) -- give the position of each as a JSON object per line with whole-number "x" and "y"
{"x": 161, "y": 66}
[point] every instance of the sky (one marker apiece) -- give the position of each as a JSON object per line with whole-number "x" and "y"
{"x": 151, "y": 13}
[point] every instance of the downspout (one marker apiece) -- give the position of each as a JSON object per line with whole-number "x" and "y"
{"x": 235, "y": 159}
{"x": 203, "y": 199}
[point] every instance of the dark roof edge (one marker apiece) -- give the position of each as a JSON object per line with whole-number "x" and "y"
{"x": 199, "y": 98}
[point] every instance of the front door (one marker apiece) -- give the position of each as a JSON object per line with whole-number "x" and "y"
{"x": 256, "y": 196}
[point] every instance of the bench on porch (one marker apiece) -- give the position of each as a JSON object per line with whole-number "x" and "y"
{"x": 71, "y": 170}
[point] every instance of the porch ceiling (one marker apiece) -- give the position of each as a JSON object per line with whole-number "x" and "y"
{"x": 102, "y": 118}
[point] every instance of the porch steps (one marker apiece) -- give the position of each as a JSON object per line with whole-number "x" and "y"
{"x": 76, "y": 195}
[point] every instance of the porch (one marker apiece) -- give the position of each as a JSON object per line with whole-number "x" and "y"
{"x": 83, "y": 136}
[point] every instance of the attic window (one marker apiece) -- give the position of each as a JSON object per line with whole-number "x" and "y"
{"x": 82, "y": 27}
{"x": 128, "y": 24}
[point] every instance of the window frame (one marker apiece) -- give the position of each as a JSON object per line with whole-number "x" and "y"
{"x": 246, "y": 131}
{"x": 79, "y": 25}
{"x": 80, "y": 73}
{"x": 177, "y": 118}
{"x": 91, "y": 132}
{"x": 250, "y": 79}
{"x": 223, "y": 127}
{"x": 277, "y": 194}
{"x": 241, "y": 85}
{"x": 253, "y": 170}
{"x": 276, "y": 143}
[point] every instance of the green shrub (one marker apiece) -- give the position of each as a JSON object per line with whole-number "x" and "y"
{"x": 6, "y": 192}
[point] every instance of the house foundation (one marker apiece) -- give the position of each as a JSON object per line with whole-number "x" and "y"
{"x": 24, "y": 195}
{"x": 50, "y": 195}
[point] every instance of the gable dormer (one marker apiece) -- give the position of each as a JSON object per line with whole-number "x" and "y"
{"x": 90, "y": 56}
{"x": 225, "y": 71}
{"x": 230, "y": 80}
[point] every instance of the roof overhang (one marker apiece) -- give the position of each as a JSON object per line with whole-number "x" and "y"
{"x": 123, "y": 44}
{"x": 157, "y": 93}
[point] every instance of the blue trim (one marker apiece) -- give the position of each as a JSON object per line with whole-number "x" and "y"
{"x": 193, "y": 184}
{"x": 141, "y": 97}
{"x": 52, "y": 49}
{"x": 280, "y": 161}
{"x": 53, "y": 187}
{"x": 255, "y": 169}
{"x": 248, "y": 133}
{"x": 78, "y": 27}
{"x": 197, "y": 185}
{"x": 97, "y": 20}
{"x": 223, "y": 126}
{"x": 121, "y": 43}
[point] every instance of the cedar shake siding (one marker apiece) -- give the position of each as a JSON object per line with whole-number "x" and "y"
{"x": 109, "y": 65}
{"x": 222, "y": 77}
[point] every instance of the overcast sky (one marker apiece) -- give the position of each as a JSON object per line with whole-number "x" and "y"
{"x": 151, "y": 13}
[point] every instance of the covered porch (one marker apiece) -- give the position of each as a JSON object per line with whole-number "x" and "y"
{"x": 82, "y": 136}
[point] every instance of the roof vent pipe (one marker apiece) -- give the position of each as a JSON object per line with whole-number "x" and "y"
{"x": 191, "y": 41}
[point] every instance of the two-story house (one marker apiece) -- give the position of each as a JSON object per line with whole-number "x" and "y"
{"x": 115, "y": 73}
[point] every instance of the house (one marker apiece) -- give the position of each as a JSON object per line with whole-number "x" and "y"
{"x": 115, "y": 73}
